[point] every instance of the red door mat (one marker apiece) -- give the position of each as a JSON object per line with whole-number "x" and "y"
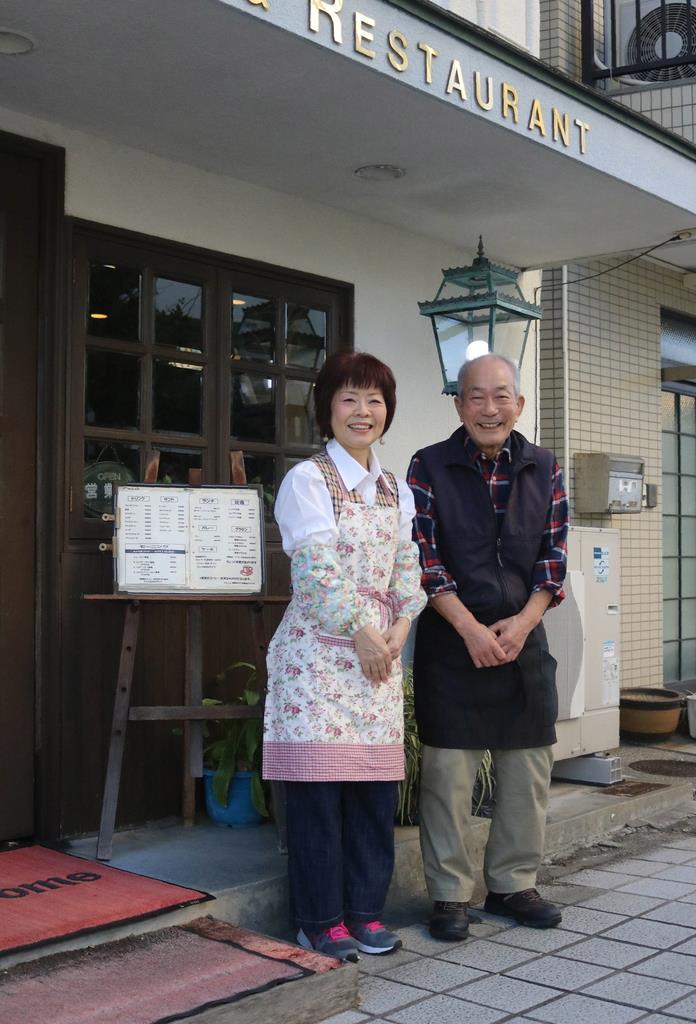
{"x": 175, "y": 974}
{"x": 45, "y": 895}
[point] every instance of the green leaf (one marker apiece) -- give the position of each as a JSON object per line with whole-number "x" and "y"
{"x": 258, "y": 797}
{"x": 221, "y": 786}
{"x": 252, "y": 740}
{"x": 224, "y": 752}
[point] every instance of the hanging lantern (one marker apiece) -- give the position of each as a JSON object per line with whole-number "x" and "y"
{"x": 484, "y": 319}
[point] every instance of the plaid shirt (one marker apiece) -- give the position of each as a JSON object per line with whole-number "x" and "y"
{"x": 549, "y": 569}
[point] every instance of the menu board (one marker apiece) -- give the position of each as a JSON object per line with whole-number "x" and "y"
{"x": 171, "y": 539}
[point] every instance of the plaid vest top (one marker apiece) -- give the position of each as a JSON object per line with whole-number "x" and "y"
{"x": 387, "y": 491}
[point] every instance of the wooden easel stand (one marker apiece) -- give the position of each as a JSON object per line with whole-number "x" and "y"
{"x": 193, "y": 713}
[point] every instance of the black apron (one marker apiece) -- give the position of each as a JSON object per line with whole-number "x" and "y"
{"x": 509, "y": 707}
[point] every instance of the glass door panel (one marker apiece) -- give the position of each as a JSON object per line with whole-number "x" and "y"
{"x": 253, "y": 407}
{"x": 305, "y": 337}
{"x": 679, "y": 536}
{"x": 177, "y": 401}
{"x": 178, "y": 315}
{"x": 253, "y": 328}
{"x": 114, "y": 302}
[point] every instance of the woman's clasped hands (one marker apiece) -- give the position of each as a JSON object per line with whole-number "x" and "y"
{"x": 376, "y": 651}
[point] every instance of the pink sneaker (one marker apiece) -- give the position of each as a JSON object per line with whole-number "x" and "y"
{"x": 373, "y": 937}
{"x": 335, "y": 941}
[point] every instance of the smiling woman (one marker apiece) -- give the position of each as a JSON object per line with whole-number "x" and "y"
{"x": 333, "y": 724}
{"x": 357, "y": 420}
{"x": 355, "y": 401}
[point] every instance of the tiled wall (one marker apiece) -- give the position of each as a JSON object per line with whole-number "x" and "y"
{"x": 614, "y": 406}
{"x": 673, "y": 107}
{"x": 560, "y": 35}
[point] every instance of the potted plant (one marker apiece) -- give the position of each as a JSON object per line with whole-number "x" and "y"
{"x": 482, "y": 800}
{"x": 407, "y": 802}
{"x": 234, "y": 791}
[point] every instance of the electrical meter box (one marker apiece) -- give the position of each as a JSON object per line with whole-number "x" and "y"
{"x": 608, "y": 484}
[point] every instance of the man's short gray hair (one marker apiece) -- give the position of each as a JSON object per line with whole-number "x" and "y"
{"x": 464, "y": 370}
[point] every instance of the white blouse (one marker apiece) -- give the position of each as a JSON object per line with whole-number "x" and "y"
{"x": 304, "y": 511}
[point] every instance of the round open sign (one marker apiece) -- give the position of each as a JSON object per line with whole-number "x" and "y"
{"x": 99, "y": 482}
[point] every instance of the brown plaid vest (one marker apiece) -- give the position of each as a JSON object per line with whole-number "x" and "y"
{"x": 385, "y": 497}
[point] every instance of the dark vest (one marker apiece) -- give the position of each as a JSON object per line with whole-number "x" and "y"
{"x": 493, "y": 571}
{"x": 458, "y": 705}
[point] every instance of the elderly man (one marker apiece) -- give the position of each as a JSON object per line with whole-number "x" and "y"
{"x": 491, "y": 523}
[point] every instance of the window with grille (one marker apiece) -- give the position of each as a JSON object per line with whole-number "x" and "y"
{"x": 194, "y": 355}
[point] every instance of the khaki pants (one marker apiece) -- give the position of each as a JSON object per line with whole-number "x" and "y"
{"x": 516, "y": 839}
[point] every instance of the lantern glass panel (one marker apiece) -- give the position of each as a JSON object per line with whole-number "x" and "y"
{"x": 452, "y": 339}
{"x": 510, "y": 337}
{"x": 479, "y": 338}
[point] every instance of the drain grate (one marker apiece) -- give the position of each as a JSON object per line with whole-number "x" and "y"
{"x": 631, "y": 788}
{"x": 660, "y": 766}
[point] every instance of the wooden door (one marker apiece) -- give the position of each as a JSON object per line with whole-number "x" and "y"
{"x": 19, "y": 234}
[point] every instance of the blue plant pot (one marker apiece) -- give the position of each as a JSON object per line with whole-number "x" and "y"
{"x": 240, "y": 811}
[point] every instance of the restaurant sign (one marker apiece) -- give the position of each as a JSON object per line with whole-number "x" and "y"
{"x": 440, "y": 63}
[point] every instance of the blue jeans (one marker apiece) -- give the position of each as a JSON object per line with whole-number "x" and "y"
{"x": 340, "y": 850}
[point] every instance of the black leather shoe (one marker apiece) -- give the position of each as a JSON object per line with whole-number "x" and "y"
{"x": 526, "y": 907}
{"x": 449, "y": 921}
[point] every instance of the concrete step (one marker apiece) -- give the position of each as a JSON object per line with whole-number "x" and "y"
{"x": 247, "y": 875}
{"x": 207, "y": 971}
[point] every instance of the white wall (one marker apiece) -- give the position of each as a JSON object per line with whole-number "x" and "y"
{"x": 390, "y": 269}
{"x": 517, "y": 22}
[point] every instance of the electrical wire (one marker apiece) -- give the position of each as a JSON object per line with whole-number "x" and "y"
{"x": 610, "y": 270}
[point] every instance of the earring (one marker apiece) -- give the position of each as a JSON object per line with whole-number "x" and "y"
{"x": 324, "y": 438}
{"x": 381, "y": 440}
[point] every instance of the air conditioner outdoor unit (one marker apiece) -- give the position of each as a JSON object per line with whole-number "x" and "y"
{"x": 584, "y": 638}
{"x": 677, "y": 17}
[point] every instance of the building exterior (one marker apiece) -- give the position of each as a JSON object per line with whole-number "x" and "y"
{"x": 184, "y": 236}
{"x": 607, "y": 339}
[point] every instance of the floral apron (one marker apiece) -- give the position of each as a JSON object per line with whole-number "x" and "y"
{"x": 324, "y": 720}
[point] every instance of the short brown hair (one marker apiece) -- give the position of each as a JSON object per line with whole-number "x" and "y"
{"x": 362, "y": 371}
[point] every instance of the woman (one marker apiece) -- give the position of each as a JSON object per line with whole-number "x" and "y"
{"x": 333, "y": 728}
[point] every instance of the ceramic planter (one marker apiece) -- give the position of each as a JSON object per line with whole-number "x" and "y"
{"x": 649, "y": 714}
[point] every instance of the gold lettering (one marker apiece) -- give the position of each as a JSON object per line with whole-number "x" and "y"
{"x": 261, "y": 3}
{"x": 429, "y": 54}
{"x": 456, "y": 80}
{"x": 364, "y": 34}
{"x": 561, "y": 128}
{"x": 488, "y": 102}
{"x": 536, "y": 119}
{"x": 398, "y": 43}
{"x": 583, "y": 129}
{"x": 510, "y": 98}
{"x": 332, "y": 9}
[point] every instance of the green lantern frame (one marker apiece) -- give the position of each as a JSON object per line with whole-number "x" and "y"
{"x": 460, "y": 320}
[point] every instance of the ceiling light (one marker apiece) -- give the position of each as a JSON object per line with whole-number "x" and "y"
{"x": 239, "y": 302}
{"x": 12, "y": 42}
{"x": 99, "y": 316}
{"x": 379, "y": 172}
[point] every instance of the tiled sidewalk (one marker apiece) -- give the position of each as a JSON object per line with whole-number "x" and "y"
{"x": 626, "y": 951}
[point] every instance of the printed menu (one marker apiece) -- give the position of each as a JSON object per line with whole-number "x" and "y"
{"x": 188, "y": 539}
